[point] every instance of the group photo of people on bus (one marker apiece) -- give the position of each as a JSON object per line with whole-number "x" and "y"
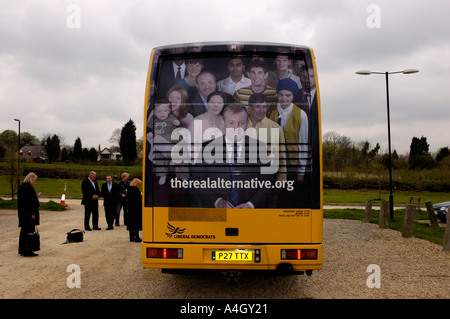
{"x": 206, "y": 111}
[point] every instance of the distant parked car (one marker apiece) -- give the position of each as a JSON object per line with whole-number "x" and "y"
{"x": 441, "y": 210}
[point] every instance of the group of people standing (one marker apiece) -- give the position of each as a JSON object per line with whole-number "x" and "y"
{"x": 116, "y": 196}
{"x": 123, "y": 194}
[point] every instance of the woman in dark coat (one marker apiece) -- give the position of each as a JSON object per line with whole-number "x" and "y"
{"x": 28, "y": 211}
{"x": 134, "y": 223}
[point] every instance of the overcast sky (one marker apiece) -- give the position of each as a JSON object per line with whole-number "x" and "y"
{"x": 78, "y": 68}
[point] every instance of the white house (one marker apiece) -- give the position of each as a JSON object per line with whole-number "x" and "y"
{"x": 108, "y": 154}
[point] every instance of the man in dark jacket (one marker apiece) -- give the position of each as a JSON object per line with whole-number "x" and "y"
{"x": 110, "y": 194}
{"x": 91, "y": 192}
{"x": 124, "y": 184}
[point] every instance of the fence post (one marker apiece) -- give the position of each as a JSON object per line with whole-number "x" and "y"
{"x": 384, "y": 214}
{"x": 447, "y": 235}
{"x": 368, "y": 211}
{"x": 431, "y": 214}
{"x": 416, "y": 198}
{"x": 408, "y": 222}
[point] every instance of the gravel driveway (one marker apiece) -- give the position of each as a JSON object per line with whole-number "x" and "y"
{"x": 111, "y": 267}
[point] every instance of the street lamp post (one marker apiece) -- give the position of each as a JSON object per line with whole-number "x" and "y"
{"x": 367, "y": 72}
{"x": 18, "y": 154}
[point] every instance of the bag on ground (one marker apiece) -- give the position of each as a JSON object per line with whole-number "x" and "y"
{"x": 75, "y": 236}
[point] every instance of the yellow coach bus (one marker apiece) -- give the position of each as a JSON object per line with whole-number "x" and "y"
{"x": 233, "y": 162}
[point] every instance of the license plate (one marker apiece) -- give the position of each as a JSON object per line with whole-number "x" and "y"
{"x": 232, "y": 255}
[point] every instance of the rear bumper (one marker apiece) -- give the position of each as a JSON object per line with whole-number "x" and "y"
{"x": 200, "y": 256}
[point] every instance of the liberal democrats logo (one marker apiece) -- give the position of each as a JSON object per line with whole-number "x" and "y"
{"x": 178, "y": 233}
{"x": 174, "y": 230}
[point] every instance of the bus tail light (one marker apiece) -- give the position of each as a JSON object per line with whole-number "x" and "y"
{"x": 165, "y": 253}
{"x": 298, "y": 254}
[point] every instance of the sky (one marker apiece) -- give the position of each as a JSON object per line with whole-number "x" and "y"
{"x": 79, "y": 68}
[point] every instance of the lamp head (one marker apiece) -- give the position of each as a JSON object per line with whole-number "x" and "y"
{"x": 363, "y": 72}
{"x": 410, "y": 71}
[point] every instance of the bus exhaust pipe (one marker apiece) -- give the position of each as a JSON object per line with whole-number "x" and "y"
{"x": 287, "y": 269}
{"x": 284, "y": 269}
{"x": 231, "y": 277}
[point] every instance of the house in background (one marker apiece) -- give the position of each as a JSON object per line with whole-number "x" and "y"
{"x": 108, "y": 155}
{"x": 33, "y": 154}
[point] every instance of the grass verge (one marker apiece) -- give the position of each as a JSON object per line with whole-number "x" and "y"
{"x": 420, "y": 229}
{"x": 50, "y": 205}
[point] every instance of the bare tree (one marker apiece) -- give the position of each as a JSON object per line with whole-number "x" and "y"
{"x": 12, "y": 169}
{"x": 115, "y": 138}
{"x": 10, "y": 140}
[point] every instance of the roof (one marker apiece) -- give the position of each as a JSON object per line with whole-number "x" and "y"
{"x": 108, "y": 151}
{"x": 229, "y": 45}
{"x": 33, "y": 151}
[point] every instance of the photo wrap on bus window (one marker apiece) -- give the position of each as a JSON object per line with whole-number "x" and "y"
{"x": 188, "y": 162}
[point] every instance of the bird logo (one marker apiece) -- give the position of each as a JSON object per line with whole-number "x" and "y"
{"x": 174, "y": 230}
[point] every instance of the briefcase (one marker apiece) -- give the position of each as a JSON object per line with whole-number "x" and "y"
{"x": 33, "y": 241}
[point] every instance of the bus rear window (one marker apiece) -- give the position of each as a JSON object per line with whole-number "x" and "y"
{"x": 232, "y": 127}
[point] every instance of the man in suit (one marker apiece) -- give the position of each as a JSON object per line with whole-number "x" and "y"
{"x": 91, "y": 192}
{"x": 206, "y": 84}
{"x": 172, "y": 71}
{"x": 110, "y": 193}
{"x": 235, "y": 161}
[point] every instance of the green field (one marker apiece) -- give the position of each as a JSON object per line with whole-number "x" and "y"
{"x": 400, "y": 197}
{"x": 49, "y": 187}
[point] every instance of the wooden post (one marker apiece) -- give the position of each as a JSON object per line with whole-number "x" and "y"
{"x": 447, "y": 235}
{"x": 411, "y": 198}
{"x": 431, "y": 214}
{"x": 384, "y": 214}
{"x": 368, "y": 211}
{"x": 408, "y": 222}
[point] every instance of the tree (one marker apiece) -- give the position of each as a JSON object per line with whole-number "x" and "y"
{"x": 115, "y": 138}
{"x": 419, "y": 155}
{"x": 337, "y": 150}
{"x": 140, "y": 147}
{"x": 28, "y": 139}
{"x": 93, "y": 154}
{"x": 85, "y": 154}
{"x": 127, "y": 142}
{"x": 64, "y": 155}
{"x": 442, "y": 153}
{"x": 12, "y": 169}
{"x": 9, "y": 139}
{"x": 368, "y": 156}
{"x": 77, "y": 150}
{"x": 52, "y": 148}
